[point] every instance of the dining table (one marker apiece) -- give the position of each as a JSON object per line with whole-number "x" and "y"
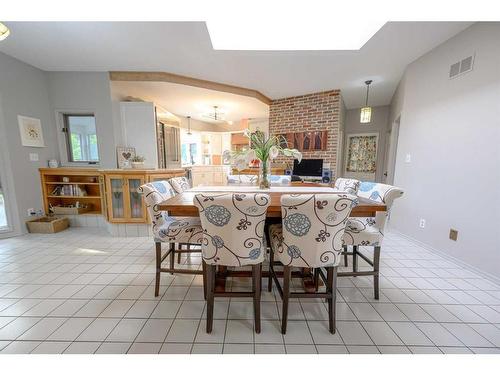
{"x": 182, "y": 204}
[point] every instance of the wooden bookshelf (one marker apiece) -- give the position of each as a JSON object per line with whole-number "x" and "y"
{"x": 87, "y": 179}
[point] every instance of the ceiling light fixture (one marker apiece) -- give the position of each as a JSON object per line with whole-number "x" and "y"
{"x": 215, "y": 115}
{"x": 4, "y": 31}
{"x": 365, "y": 115}
{"x": 189, "y": 125}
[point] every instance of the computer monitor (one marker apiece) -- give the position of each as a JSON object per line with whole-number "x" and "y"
{"x": 308, "y": 167}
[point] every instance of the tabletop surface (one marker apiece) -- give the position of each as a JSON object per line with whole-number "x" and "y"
{"x": 182, "y": 204}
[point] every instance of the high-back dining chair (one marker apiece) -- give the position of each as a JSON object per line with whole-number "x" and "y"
{"x": 280, "y": 179}
{"x": 310, "y": 236}
{"x": 249, "y": 179}
{"x": 168, "y": 229}
{"x": 347, "y": 185}
{"x": 233, "y": 236}
{"x": 351, "y": 186}
{"x": 369, "y": 231}
{"x": 180, "y": 184}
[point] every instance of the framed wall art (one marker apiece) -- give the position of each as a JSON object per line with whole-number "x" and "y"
{"x": 123, "y": 156}
{"x": 30, "y": 129}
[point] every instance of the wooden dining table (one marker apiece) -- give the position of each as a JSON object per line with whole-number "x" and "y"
{"x": 183, "y": 205}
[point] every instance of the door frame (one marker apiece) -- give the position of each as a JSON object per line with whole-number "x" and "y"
{"x": 6, "y": 178}
{"x": 391, "y": 152}
{"x": 360, "y": 175}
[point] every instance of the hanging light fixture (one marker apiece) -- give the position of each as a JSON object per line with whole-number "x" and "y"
{"x": 366, "y": 112}
{"x": 189, "y": 125}
{"x": 4, "y": 31}
{"x": 217, "y": 115}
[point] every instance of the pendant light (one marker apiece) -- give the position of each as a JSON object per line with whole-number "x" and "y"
{"x": 189, "y": 125}
{"x": 4, "y": 31}
{"x": 366, "y": 112}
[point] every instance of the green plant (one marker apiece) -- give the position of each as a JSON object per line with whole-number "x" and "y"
{"x": 263, "y": 148}
{"x": 137, "y": 159}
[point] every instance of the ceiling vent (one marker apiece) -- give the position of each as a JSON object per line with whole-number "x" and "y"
{"x": 461, "y": 67}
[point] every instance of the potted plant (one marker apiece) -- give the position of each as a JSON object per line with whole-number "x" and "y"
{"x": 264, "y": 149}
{"x": 137, "y": 161}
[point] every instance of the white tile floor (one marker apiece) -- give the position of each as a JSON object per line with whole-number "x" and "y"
{"x": 83, "y": 291}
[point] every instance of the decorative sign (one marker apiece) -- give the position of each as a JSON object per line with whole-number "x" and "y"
{"x": 124, "y": 155}
{"x": 306, "y": 141}
{"x": 31, "y": 131}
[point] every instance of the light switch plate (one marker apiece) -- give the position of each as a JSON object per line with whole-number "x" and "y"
{"x": 408, "y": 158}
{"x": 33, "y": 156}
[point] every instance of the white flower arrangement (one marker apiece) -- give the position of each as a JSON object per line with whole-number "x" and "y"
{"x": 262, "y": 148}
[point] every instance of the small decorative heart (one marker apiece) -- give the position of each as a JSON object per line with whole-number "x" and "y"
{"x": 126, "y": 155}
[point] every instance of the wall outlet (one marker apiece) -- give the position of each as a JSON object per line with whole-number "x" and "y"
{"x": 422, "y": 223}
{"x": 33, "y": 156}
{"x": 31, "y": 212}
{"x": 453, "y": 234}
{"x": 408, "y": 158}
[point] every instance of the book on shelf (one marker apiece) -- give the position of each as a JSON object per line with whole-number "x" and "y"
{"x": 69, "y": 191}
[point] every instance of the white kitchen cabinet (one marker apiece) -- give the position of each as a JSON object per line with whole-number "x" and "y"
{"x": 209, "y": 175}
{"x": 216, "y": 144}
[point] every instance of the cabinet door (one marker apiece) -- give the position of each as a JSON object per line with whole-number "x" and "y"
{"x": 135, "y": 207}
{"x": 116, "y": 198}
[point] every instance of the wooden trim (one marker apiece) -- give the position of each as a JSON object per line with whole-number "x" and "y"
{"x": 189, "y": 81}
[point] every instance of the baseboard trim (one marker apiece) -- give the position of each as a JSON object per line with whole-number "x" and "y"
{"x": 487, "y": 275}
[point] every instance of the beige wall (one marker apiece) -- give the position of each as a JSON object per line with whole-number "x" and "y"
{"x": 451, "y": 130}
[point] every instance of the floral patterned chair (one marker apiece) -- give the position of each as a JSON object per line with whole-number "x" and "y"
{"x": 351, "y": 186}
{"x": 180, "y": 184}
{"x": 310, "y": 236}
{"x": 233, "y": 236}
{"x": 347, "y": 185}
{"x": 281, "y": 179}
{"x": 168, "y": 229}
{"x": 369, "y": 231}
{"x": 248, "y": 179}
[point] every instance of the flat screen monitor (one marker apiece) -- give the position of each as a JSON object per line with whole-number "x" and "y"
{"x": 308, "y": 167}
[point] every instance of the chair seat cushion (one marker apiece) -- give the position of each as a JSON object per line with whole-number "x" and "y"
{"x": 361, "y": 232}
{"x": 180, "y": 230}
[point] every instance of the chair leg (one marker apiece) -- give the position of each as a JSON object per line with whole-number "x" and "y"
{"x": 257, "y": 275}
{"x": 316, "y": 279}
{"x": 287, "y": 272}
{"x": 355, "y": 259}
{"x": 332, "y": 301}
{"x": 271, "y": 270}
{"x": 158, "y": 268}
{"x": 204, "y": 268}
{"x": 346, "y": 261}
{"x": 210, "y": 296}
{"x": 179, "y": 255}
{"x": 172, "y": 257}
{"x": 376, "y": 268}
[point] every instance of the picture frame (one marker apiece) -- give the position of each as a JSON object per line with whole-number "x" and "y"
{"x": 123, "y": 156}
{"x": 31, "y": 132}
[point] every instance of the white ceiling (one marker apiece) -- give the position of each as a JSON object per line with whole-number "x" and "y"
{"x": 191, "y": 101}
{"x": 184, "y": 48}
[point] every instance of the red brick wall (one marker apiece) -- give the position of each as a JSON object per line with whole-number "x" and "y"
{"x": 312, "y": 112}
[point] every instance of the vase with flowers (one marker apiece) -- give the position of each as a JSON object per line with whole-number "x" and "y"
{"x": 263, "y": 148}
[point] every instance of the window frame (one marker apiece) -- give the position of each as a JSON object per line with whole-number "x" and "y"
{"x": 64, "y": 139}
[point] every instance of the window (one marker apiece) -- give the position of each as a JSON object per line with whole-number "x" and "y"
{"x": 81, "y": 138}
{"x": 189, "y": 153}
